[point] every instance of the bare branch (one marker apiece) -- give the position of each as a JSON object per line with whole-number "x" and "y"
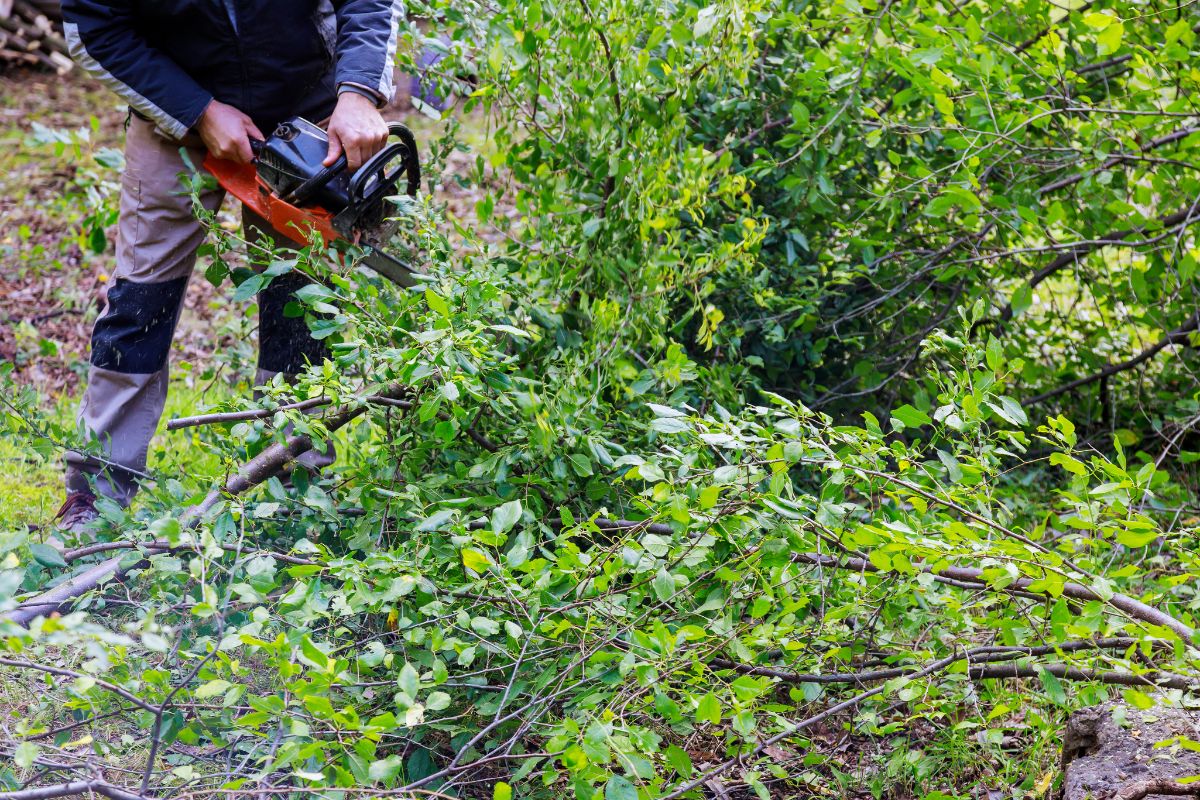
{"x": 74, "y": 789}
{"x": 1134, "y": 608}
{"x": 1165, "y": 786}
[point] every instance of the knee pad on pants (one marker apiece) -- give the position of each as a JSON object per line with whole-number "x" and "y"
{"x": 133, "y": 335}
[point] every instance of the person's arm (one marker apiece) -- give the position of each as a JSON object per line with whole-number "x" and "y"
{"x": 366, "y": 47}
{"x": 104, "y": 41}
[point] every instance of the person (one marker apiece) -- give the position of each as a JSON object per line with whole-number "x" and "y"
{"x": 205, "y": 75}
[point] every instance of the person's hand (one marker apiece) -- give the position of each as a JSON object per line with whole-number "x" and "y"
{"x": 226, "y": 132}
{"x": 357, "y": 129}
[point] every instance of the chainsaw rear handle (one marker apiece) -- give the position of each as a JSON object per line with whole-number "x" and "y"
{"x": 376, "y": 166}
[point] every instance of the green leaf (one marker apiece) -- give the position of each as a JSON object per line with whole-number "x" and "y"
{"x": 619, "y": 788}
{"x": 474, "y": 560}
{"x": 680, "y": 761}
{"x": 502, "y": 791}
{"x": 25, "y": 754}
{"x": 1009, "y": 410}
{"x": 319, "y": 705}
{"x": 1021, "y": 300}
{"x": 1137, "y": 538}
{"x": 46, "y": 555}
{"x": 1069, "y": 463}
{"x": 385, "y": 770}
{"x": 1138, "y": 699}
{"x": 505, "y": 516}
{"x": 436, "y": 520}
{"x": 436, "y": 302}
{"x": 709, "y": 709}
{"x": 211, "y": 689}
{"x": 670, "y": 425}
{"x": 910, "y": 417}
{"x": 314, "y": 655}
{"x": 664, "y": 585}
{"x": 408, "y": 680}
{"x": 1053, "y": 686}
{"x": 312, "y": 293}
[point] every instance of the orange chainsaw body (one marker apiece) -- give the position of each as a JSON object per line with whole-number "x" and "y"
{"x": 297, "y": 224}
{"x": 290, "y": 187}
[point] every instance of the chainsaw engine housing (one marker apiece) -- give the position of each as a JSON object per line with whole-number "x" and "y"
{"x": 291, "y": 158}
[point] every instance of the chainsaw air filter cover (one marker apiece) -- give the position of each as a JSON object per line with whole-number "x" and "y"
{"x": 290, "y": 160}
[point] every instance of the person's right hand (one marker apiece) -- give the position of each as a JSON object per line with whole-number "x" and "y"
{"x": 226, "y": 132}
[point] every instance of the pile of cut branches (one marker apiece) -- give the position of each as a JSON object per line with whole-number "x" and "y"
{"x": 31, "y": 35}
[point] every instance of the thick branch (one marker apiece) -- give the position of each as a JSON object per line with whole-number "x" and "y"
{"x": 74, "y": 789}
{"x": 242, "y": 416}
{"x": 269, "y": 462}
{"x": 1119, "y": 158}
{"x": 1166, "y": 786}
{"x": 1184, "y": 217}
{"x": 1150, "y": 679}
{"x": 262, "y": 413}
{"x": 976, "y": 655}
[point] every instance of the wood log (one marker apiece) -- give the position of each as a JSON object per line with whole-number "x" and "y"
{"x": 31, "y": 35}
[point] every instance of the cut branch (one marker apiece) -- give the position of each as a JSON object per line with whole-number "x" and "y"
{"x": 266, "y": 464}
{"x": 1162, "y": 786}
{"x": 976, "y": 655}
{"x": 263, "y": 413}
{"x": 74, "y": 789}
{"x": 1150, "y": 679}
{"x": 1134, "y": 608}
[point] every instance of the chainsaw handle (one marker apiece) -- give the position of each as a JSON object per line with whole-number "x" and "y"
{"x": 376, "y": 165}
{"x": 304, "y": 192}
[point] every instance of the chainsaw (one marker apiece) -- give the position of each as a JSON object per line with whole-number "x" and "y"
{"x": 288, "y": 185}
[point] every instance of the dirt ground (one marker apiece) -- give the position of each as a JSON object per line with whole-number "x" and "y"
{"x": 56, "y": 136}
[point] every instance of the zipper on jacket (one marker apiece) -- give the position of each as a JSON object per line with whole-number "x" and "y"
{"x": 231, "y": 13}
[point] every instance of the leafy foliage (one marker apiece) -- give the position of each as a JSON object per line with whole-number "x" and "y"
{"x": 603, "y": 526}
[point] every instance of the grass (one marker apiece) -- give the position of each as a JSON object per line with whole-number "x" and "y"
{"x": 33, "y": 486}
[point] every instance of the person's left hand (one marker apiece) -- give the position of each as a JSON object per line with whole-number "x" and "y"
{"x": 357, "y": 129}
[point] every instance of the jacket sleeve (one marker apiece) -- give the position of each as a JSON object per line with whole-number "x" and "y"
{"x": 105, "y": 41}
{"x": 366, "y": 47}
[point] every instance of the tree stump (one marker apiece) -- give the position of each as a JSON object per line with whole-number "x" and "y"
{"x": 1114, "y": 751}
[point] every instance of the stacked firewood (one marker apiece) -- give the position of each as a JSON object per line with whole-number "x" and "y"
{"x": 31, "y": 34}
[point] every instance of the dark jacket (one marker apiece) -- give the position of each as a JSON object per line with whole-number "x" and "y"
{"x": 271, "y": 59}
